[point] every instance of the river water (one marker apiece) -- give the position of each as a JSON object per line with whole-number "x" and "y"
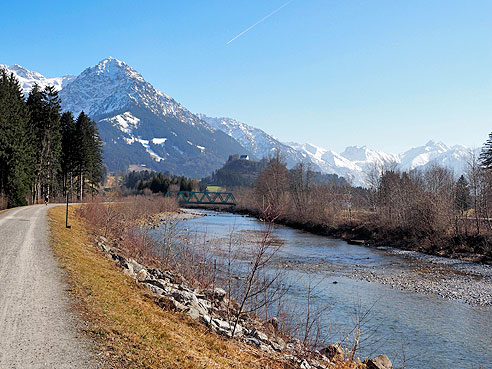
{"x": 429, "y": 328}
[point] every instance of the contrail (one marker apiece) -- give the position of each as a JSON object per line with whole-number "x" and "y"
{"x": 260, "y": 21}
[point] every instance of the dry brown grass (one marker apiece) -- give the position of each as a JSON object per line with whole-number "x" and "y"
{"x": 129, "y": 329}
{"x": 127, "y": 325}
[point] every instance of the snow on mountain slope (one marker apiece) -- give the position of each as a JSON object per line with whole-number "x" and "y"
{"x": 112, "y": 85}
{"x": 141, "y": 125}
{"x": 138, "y": 123}
{"x": 331, "y": 162}
{"x": 261, "y": 144}
{"x": 28, "y": 78}
{"x": 355, "y": 162}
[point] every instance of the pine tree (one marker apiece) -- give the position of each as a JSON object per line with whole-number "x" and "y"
{"x": 486, "y": 154}
{"x": 45, "y": 110}
{"x": 69, "y": 150}
{"x": 88, "y": 158}
{"x": 15, "y": 142}
{"x": 462, "y": 195}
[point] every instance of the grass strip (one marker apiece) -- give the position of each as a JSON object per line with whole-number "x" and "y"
{"x": 129, "y": 329}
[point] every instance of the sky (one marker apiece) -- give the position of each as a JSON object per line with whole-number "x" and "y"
{"x": 386, "y": 74}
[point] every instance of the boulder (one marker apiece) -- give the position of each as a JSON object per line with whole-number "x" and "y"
{"x": 136, "y": 266}
{"x": 379, "y": 362}
{"x": 304, "y": 365}
{"x": 205, "y": 304}
{"x": 252, "y": 341}
{"x": 142, "y": 275}
{"x": 184, "y": 297}
{"x": 274, "y": 323}
{"x": 331, "y": 351}
{"x": 277, "y": 343}
{"x": 155, "y": 290}
{"x": 168, "y": 303}
{"x": 193, "y": 313}
{"x": 259, "y": 335}
{"x": 159, "y": 283}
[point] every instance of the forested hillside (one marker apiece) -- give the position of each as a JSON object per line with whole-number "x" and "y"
{"x": 44, "y": 152}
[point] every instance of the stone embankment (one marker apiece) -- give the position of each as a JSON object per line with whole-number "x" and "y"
{"x": 214, "y": 309}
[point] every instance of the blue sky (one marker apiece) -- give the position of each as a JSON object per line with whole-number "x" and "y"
{"x": 386, "y": 74}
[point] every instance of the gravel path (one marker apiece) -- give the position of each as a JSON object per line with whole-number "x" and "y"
{"x": 37, "y": 328}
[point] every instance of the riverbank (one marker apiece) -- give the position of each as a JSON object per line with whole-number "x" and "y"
{"x": 127, "y": 324}
{"x": 130, "y": 248}
{"x": 470, "y": 248}
{"x": 433, "y": 275}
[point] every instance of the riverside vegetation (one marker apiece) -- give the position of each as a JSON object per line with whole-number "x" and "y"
{"x": 181, "y": 285}
{"x": 428, "y": 211}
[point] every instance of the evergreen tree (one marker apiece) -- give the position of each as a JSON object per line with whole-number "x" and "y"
{"x": 44, "y": 107}
{"x": 486, "y": 154}
{"x": 69, "y": 150}
{"x": 88, "y": 158}
{"x": 15, "y": 142}
{"x": 462, "y": 195}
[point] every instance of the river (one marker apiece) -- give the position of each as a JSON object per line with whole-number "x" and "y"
{"x": 435, "y": 312}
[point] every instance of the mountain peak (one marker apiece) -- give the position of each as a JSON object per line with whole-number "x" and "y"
{"x": 28, "y": 78}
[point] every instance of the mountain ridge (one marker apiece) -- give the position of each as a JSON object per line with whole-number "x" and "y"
{"x": 140, "y": 124}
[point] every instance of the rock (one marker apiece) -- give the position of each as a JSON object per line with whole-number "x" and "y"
{"x": 198, "y": 307}
{"x": 274, "y": 323}
{"x": 205, "y": 319}
{"x": 277, "y": 343}
{"x": 331, "y": 351}
{"x": 136, "y": 266}
{"x": 379, "y": 362}
{"x": 205, "y": 304}
{"x": 128, "y": 270}
{"x": 142, "y": 275}
{"x": 260, "y": 335}
{"x": 252, "y": 341}
{"x": 221, "y": 324}
{"x": 217, "y": 294}
{"x": 159, "y": 283}
{"x": 184, "y": 297}
{"x": 168, "y": 303}
{"x": 193, "y": 313}
{"x": 155, "y": 290}
{"x": 305, "y": 365}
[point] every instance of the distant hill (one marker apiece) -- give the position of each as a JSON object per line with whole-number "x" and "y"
{"x": 240, "y": 172}
{"x": 236, "y": 173}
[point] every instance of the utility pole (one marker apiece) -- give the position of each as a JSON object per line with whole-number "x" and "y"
{"x": 66, "y": 217}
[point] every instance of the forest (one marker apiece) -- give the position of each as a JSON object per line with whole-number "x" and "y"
{"x": 156, "y": 182}
{"x": 44, "y": 153}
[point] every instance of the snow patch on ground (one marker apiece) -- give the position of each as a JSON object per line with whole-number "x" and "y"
{"x": 159, "y": 141}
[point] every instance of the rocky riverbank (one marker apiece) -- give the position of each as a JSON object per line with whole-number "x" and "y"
{"x": 213, "y": 308}
{"x": 470, "y": 248}
{"x": 450, "y": 279}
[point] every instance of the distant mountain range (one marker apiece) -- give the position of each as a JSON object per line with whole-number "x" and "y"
{"x": 355, "y": 162}
{"x": 141, "y": 125}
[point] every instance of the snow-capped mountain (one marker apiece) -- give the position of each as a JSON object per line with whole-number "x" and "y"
{"x": 330, "y": 162}
{"x": 355, "y": 162}
{"x": 261, "y": 144}
{"x": 28, "y": 78}
{"x": 138, "y": 123}
{"x": 454, "y": 157}
{"x": 141, "y": 125}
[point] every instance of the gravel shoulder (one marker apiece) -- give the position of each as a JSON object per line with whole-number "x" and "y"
{"x": 37, "y": 327}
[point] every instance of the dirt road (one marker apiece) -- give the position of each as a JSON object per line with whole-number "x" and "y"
{"x": 37, "y": 328}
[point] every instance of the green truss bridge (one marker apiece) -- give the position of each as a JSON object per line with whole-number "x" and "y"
{"x": 202, "y": 198}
